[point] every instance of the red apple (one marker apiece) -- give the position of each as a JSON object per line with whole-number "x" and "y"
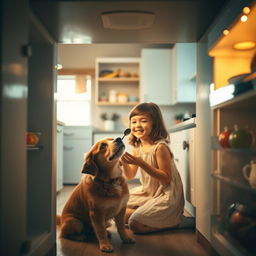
{"x": 238, "y": 218}
{"x": 224, "y": 138}
{"x": 32, "y": 138}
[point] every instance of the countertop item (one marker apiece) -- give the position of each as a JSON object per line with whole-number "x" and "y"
{"x": 190, "y": 123}
{"x": 60, "y": 123}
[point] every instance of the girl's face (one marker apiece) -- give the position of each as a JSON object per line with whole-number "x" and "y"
{"x": 141, "y": 126}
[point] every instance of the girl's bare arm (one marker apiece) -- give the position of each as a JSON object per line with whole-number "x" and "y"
{"x": 163, "y": 157}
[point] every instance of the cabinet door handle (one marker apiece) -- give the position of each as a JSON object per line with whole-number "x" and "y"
{"x": 59, "y": 131}
{"x": 68, "y": 148}
{"x": 185, "y": 145}
{"x": 68, "y": 134}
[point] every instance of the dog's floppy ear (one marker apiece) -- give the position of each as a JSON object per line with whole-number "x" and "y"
{"x": 89, "y": 165}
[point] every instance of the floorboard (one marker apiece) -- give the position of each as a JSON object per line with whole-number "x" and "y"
{"x": 176, "y": 242}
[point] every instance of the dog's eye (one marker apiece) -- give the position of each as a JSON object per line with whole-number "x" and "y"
{"x": 103, "y": 146}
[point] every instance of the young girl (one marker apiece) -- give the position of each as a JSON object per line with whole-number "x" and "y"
{"x": 158, "y": 203}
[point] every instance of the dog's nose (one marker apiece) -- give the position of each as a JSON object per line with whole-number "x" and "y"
{"x": 119, "y": 140}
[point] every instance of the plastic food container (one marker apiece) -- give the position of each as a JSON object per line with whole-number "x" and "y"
{"x": 122, "y": 97}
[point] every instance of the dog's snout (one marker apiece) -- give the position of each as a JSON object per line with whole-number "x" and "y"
{"x": 119, "y": 140}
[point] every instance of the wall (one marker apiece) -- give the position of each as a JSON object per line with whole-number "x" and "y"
{"x": 83, "y": 56}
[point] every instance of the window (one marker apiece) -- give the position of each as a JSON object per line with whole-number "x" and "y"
{"x": 74, "y": 108}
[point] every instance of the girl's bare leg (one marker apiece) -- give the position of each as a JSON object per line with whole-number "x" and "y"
{"x": 128, "y": 213}
{"x": 135, "y": 226}
{"x": 139, "y": 228}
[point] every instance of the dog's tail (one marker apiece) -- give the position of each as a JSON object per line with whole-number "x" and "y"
{"x": 58, "y": 220}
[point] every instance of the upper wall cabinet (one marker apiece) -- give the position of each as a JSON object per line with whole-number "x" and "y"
{"x": 117, "y": 81}
{"x": 156, "y": 77}
{"x": 168, "y": 76}
{"x": 184, "y": 73}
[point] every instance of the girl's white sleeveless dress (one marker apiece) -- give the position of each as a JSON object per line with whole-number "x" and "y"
{"x": 159, "y": 206}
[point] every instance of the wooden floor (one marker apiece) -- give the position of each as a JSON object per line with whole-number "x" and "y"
{"x": 175, "y": 242}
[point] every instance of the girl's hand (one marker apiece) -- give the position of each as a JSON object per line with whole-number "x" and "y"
{"x": 130, "y": 159}
{"x": 130, "y": 165}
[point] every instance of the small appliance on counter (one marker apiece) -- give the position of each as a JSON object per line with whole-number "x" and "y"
{"x": 187, "y": 117}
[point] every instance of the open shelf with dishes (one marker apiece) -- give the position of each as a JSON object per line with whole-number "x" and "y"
{"x": 117, "y": 81}
{"x": 233, "y": 103}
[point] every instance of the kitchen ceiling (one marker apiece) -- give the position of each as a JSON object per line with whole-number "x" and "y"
{"x": 80, "y": 22}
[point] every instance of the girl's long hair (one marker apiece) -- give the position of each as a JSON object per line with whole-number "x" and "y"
{"x": 159, "y": 130}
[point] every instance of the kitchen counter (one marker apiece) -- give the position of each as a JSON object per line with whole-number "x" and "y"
{"x": 107, "y": 132}
{"x": 99, "y": 134}
{"x": 60, "y": 123}
{"x": 190, "y": 123}
{"x": 182, "y": 144}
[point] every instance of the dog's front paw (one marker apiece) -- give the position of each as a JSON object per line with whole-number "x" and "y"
{"x": 106, "y": 247}
{"x": 128, "y": 240}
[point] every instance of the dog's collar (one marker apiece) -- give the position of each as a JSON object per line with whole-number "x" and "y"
{"x": 111, "y": 182}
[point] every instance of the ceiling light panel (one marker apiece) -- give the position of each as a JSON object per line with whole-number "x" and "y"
{"x": 128, "y": 20}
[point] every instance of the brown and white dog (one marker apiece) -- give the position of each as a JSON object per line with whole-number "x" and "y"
{"x": 101, "y": 195}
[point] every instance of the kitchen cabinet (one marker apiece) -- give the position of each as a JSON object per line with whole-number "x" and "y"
{"x": 182, "y": 146}
{"x": 59, "y": 161}
{"x": 183, "y": 73}
{"x": 123, "y": 88}
{"x": 168, "y": 76}
{"x": 231, "y": 190}
{"x": 77, "y": 142}
{"x": 156, "y": 76}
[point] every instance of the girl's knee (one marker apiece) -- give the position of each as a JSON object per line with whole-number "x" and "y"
{"x": 139, "y": 228}
{"x": 135, "y": 226}
{"x": 128, "y": 213}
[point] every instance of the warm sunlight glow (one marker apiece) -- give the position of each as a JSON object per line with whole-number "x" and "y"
{"x": 244, "y": 18}
{"x": 247, "y": 45}
{"x": 246, "y": 10}
{"x": 225, "y": 32}
{"x": 73, "y": 108}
